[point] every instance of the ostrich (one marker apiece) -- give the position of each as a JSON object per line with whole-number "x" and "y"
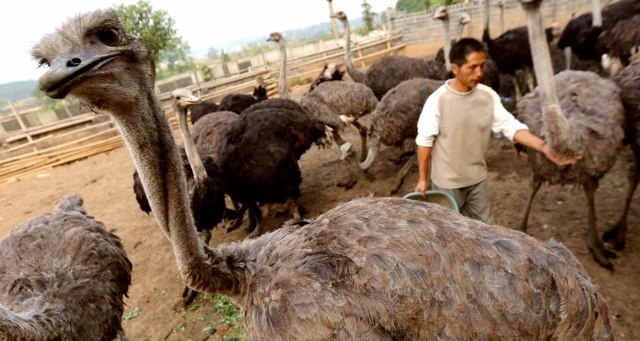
{"x": 618, "y": 44}
{"x": 574, "y": 121}
{"x": 581, "y": 34}
{"x": 64, "y": 277}
{"x": 629, "y": 82}
{"x": 232, "y": 102}
{"x": 490, "y": 75}
{"x": 511, "y": 51}
{"x": 330, "y": 72}
{"x": 336, "y": 104}
{"x": 383, "y": 75}
{"x": 370, "y": 269}
{"x": 394, "y": 120}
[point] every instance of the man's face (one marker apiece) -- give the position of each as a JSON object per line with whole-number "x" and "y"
{"x": 470, "y": 73}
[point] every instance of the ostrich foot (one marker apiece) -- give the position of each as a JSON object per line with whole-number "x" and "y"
{"x": 602, "y": 255}
{"x": 188, "y": 296}
{"x": 616, "y": 235}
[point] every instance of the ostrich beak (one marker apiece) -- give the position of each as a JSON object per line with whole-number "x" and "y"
{"x": 67, "y": 71}
{"x": 189, "y": 100}
{"x": 440, "y": 13}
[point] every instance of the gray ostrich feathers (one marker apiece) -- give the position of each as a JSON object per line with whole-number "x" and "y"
{"x": 598, "y": 118}
{"x": 62, "y": 277}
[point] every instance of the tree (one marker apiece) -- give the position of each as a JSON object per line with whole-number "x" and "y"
{"x": 213, "y": 53}
{"x": 410, "y": 6}
{"x": 155, "y": 29}
{"x": 368, "y": 17}
{"x": 224, "y": 56}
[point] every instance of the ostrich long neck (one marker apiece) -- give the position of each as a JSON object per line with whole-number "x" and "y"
{"x": 195, "y": 162}
{"x": 597, "y": 13}
{"x": 447, "y": 42}
{"x": 357, "y": 75}
{"x": 282, "y": 81}
{"x": 501, "y": 17}
{"x": 459, "y": 35}
{"x": 373, "y": 144}
{"x": 148, "y": 138}
{"x": 487, "y": 9}
{"x": 560, "y": 134}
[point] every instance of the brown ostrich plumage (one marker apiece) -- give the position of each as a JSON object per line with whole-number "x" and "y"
{"x": 371, "y": 269}
{"x": 384, "y": 75}
{"x": 577, "y": 113}
{"x": 206, "y": 132}
{"x": 62, "y": 277}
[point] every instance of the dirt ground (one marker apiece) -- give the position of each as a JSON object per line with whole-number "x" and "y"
{"x": 152, "y": 312}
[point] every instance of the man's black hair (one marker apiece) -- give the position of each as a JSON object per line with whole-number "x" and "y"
{"x": 463, "y": 48}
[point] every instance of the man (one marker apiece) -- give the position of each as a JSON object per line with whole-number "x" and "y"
{"x": 454, "y": 130}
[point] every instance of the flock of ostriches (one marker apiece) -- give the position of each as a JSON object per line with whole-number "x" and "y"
{"x": 369, "y": 269}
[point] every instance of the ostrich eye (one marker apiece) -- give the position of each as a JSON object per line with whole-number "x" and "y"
{"x": 109, "y": 36}
{"x": 178, "y": 97}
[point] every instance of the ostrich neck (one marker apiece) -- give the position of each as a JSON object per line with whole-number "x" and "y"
{"x": 195, "y": 162}
{"x": 502, "y": 18}
{"x": 597, "y": 13}
{"x": 282, "y": 82}
{"x": 357, "y": 75}
{"x": 460, "y": 29}
{"x": 373, "y": 143}
{"x": 487, "y": 9}
{"x": 447, "y": 43}
{"x": 559, "y": 133}
{"x": 150, "y": 143}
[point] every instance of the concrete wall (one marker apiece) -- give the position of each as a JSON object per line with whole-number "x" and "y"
{"x": 421, "y": 29}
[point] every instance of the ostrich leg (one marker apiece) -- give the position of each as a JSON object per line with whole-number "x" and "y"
{"x": 363, "y": 137}
{"x": 534, "y": 186}
{"x": 530, "y": 78}
{"x": 516, "y": 87}
{"x": 617, "y": 233}
{"x": 402, "y": 173}
{"x": 599, "y": 252}
{"x": 568, "y": 54}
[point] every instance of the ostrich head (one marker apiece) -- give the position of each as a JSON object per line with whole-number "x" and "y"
{"x": 465, "y": 18}
{"x": 340, "y": 15}
{"x": 89, "y": 46}
{"x": 183, "y": 98}
{"x": 440, "y": 13}
{"x": 275, "y": 37}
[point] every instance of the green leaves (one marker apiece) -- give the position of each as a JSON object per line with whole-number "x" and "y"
{"x": 155, "y": 28}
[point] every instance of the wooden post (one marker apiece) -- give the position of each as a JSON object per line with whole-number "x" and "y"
{"x": 322, "y": 48}
{"x": 22, "y": 126}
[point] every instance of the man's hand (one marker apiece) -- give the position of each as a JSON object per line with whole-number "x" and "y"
{"x": 421, "y": 187}
{"x": 558, "y": 159}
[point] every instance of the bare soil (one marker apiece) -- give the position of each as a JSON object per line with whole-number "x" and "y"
{"x": 105, "y": 183}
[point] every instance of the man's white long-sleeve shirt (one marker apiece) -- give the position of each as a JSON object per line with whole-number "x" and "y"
{"x": 458, "y": 126}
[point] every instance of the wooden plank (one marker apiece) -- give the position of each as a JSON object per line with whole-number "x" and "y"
{"x": 22, "y": 126}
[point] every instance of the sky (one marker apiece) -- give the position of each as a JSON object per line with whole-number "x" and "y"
{"x": 202, "y": 24}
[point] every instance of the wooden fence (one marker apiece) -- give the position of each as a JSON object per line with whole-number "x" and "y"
{"x": 38, "y": 141}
